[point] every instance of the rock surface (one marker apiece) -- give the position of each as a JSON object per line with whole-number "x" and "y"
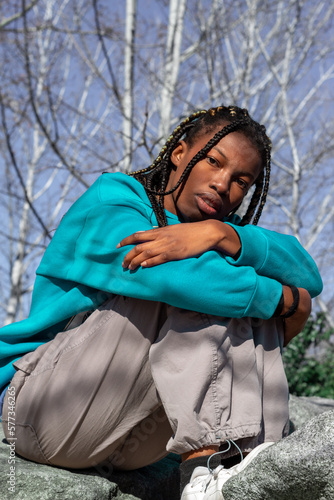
{"x": 298, "y": 467}
{"x": 303, "y": 409}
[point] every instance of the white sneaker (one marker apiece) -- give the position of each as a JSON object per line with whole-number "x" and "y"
{"x": 207, "y": 484}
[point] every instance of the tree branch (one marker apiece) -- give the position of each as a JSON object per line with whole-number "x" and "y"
{"x": 17, "y": 170}
{"x": 52, "y": 143}
{"x": 9, "y": 20}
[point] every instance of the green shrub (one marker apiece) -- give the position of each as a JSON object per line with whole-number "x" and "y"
{"x": 309, "y": 360}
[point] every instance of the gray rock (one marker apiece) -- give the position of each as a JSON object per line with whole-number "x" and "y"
{"x": 303, "y": 409}
{"x": 299, "y": 467}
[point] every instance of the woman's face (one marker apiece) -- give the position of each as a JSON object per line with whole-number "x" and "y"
{"x": 217, "y": 184}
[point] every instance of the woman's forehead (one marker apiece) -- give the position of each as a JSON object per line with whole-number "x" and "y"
{"x": 237, "y": 136}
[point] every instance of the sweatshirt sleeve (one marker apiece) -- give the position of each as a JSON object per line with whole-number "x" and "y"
{"x": 208, "y": 283}
{"x": 277, "y": 256}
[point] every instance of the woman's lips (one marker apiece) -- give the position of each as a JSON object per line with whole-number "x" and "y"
{"x": 209, "y": 204}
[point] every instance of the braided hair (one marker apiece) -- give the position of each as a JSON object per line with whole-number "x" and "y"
{"x": 155, "y": 177}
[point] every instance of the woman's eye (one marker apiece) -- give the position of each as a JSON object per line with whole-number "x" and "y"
{"x": 242, "y": 184}
{"x": 212, "y": 161}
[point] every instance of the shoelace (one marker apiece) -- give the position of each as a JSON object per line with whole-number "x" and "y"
{"x": 229, "y": 442}
{"x": 213, "y": 473}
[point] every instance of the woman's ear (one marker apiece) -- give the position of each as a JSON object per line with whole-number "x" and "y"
{"x": 178, "y": 152}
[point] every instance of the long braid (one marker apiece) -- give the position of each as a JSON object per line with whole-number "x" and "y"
{"x": 171, "y": 143}
{"x": 261, "y": 190}
{"x": 155, "y": 177}
{"x": 259, "y": 198}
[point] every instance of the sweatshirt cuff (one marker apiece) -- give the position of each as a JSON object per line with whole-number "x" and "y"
{"x": 266, "y": 296}
{"x": 254, "y": 247}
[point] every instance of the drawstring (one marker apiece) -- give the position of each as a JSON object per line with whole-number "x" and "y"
{"x": 229, "y": 442}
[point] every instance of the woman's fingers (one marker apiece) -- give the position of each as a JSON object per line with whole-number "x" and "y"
{"x": 138, "y": 237}
{"x": 140, "y": 253}
{"x": 138, "y": 256}
{"x": 146, "y": 262}
{"x": 147, "y": 254}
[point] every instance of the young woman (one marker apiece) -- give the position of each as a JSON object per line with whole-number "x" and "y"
{"x": 170, "y": 337}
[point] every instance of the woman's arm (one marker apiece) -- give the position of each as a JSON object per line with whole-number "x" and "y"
{"x": 271, "y": 254}
{"x": 178, "y": 242}
{"x": 277, "y": 256}
{"x": 295, "y": 323}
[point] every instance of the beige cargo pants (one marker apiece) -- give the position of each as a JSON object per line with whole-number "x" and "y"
{"x": 139, "y": 379}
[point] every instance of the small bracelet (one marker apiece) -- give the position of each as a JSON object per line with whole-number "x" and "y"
{"x": 295, "y": 303}
{"x": 279, "y": 307}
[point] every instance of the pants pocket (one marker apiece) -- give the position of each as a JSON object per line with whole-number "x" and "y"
{"x": 26, "y": 443}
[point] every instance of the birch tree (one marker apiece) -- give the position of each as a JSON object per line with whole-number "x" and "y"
{"x": 129, "y": 58}
{"x": 47, "y": 134}
{"x": 172, "y": 63}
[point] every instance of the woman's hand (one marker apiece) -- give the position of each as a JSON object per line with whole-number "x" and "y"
{"x": 177, "y": 242}
{"x": 296, "y": 322}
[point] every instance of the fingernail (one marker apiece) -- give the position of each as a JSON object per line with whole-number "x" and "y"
{"x": 119, "y": 245}
{"x": 143, "y": 264}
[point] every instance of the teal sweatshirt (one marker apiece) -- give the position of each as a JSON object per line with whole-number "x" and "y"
{"x": 82, "y": 267}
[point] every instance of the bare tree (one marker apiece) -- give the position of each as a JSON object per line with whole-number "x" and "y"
{"x": 276, "y": 59}
{"x": 47, "y": 132}
{"x": 94, "y": 86}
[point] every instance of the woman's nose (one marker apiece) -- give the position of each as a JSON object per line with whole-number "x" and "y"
{"x": 221, "y": 182}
